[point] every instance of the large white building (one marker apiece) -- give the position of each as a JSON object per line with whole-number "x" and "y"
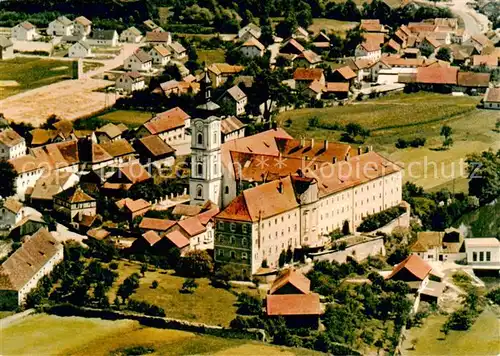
{"x": 20, "y": 273}
{"x": 483, "y": 251}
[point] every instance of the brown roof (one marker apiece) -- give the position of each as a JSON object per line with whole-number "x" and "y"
{"x": 315, "y": 86}
{"x": 156, "y": 146}
{"x": 337, "y": 87}
{"x": 297, "y": 279}
{"x": 111, "y": 130}
{"x": 118, "y": 148}
{"x": 371, "y": 45}
{"x": 394, "y": 45}
{"x": 192, "y": 226}
{"x": 98, "y": 233}
{"x": 27, "y": 260}
{"x": 177, "y": 238}
{"x": 208, "y": 215}
{"x": 472, "y": 79}
{"x": 74, "y": 195}
{"x": 489, "y": 61}
{"x": 437, "y": 75}
{"x": 142, "y": 56}
{"x": 186, "y": 210}
{"x": 25, "y": 164}
{"x": 177, "y": 47}
{"x": 310, "y": 56}
{"x": 403, "y": 62}
{"x": 162, "y": 50}
{"x": 492, "y": 95}
{"x": 236, "y": 93}
{"x": 481, "y": 39}
{"x": 151, "y": 237}
{"x": 82, "y": 20}
{"x": 253, "y": 42}
{"x": 293, "y": 42}
{"x": 12, "y": 205}
{"x": 135, "y": 76}
{"x": 308, "y": 74}
{"x": 49, "y": 185}
{"x": 231, "y": 124}
{"x": 10, "y": 138}
{"x": 134, "y": 172}
{"x": 41, "y": 136}
{"x": 413, "y": 264}
{"x": 225, "y": 69}
{"x": 346, "y": 72}
{"x": 166, "y": 121}
{"x": 157, "y": 36}
{"x": 433, "y": 41}
{"x": 133, "y": 205}
{"x": 156, "y": 224}
{"x": 293, "y": 304}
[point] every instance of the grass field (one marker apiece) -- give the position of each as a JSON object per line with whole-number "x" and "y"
{"x": 88, "y": 66}
{"x": 207, "y": 304}
{"x": 329, "y": 25}
{"x": 408, "y": 116}
{"x": 210, "y": 56}
{"x": 484, "y": 221}
{"x": 481, "y": 339}
{"x": 51, "y": 335}
{"x": 31, "y": 73}
{"x": 130, "y": 118}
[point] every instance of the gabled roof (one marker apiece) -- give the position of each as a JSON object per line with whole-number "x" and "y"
{"x": 293, "y": 304}
{"x": 236, "y": 93}
{"x": 156, "y": 146}
{"x": 293, "y": 42}
{"x": 98, "y": 233}
{"x": 414, "y": 265}
{"x": 310, "y": 56}
{"x": 10, "y": 138}
{"x": 177, "y": 47}
{"x": 481, "y": 39}
{"x": 82, "y": 20}
{"x": 346, "y": 72}
{"x": 161, "y": 50}
{"x": 89, "y": 151}
{"x": 156, "y": 224}
{"x": 177, "y": 238}
{"x": 315, "y": 86}
{"x": 253, "y": 42}
{"x": 489, "y": 60}
{"x": 231, "y": 124}
{"x": 103, "y": 34}
{"x": 224, "y": 69}
{"x": 47, "y": 186}
{"x": 432, "y": 41}
{"x": 192, "y": 226}
{"x": 290, "y": 276}
{"x": 158, "y": 37}
{"x": 482, "y": 242}
{"x": 151, "y": 237}
{"x": 12, "y": 205}
{"x": 27, "y": 260}
{"x": 134, "y": 172}
{"x": 111, "y": 130}
{"x": 64, "y": 20}
{"x": 437, "y": 75}
{"x": 472, "y": 79}
{"x": 186, "y": 210}
{"x": 492, "y": 95}
{"x": 118, "y": 148}
{"x": 83, "y": 44}
{"x": 134, "y": 75}
{"x": 370, "y": 45}
{"x": 5, "y": 42}
{"x": 27, "y": 25}
{"x": 133, "y": 30}
{"x": 166, "y": 121}
{"x": 142, "y": 56}
{"x": 321, "y": 37}
{"x": 340, "y": 87}
{"x": 308, "y": 74}
{"x": 133, "y": 205}
{"x": 74, "y": 195}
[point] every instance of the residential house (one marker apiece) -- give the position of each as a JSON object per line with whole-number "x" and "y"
{"x": 150, "y": 25}
{"x": 131, "y": 35}
{"x": 104, "y": 38}
{"x": 81, "y": 49}
{"x": 161, "y": 55}
{"x": 483, "y": 251}
{"x": 12, "y": 145}
{"x": 159, "y": 38}
{"x": 413, "y": 270}
{"x": 235, "y": 100}
{"x": 305, "y": 76}
{"x": 436, "y": 78}
{"x": 321, "y": 42}
{"x": 178, "y": 50}
{"x": 252, "y": 29}
{"x": 170, "y": 126}
{"x": 231, "y": 128}
{"x": 292, "y": 47}
{"x": 290, "y": 297}
{"x": 337, "y": 90}
{"x": 439, "y": 246}
{"x": 372, "y": 25}
{"x": 460, "y": 36}
{"x": 24, "y": 31}
{"x": 130, "y": 82}
{"x": 492, "y": 99}
{"x": 50, "y": 184}
{"x": 139, "y": 61}
{"x": 479, "y": 42}
{"x": 220, "y": 72}
{"x": 91, "y": 155}
{"x": 110, "y": 132}
{"x": 11, "y": 212}
{"x": 301, "y": 34}
{"x": 82, "y": 25}
{"x": 314, "y": 90}
{"x": 126, "y": 177}
{"x": 252, "y": 48}
{"x": 62, "y": 26}
{"x": 153, "y": 150}
{"x": 28, "y": 171}
{"x": 72, "y": 39}
{"x": 74, "y": 203}
{"x": 6, "y": 48}
{"x": 490, "y": 61}
{"x": 28, "y": 225}
{"x": 159, "y": 226}
{"x": 344, "y": 75}
{"x": 308, "y": 59}
{"x": 20, "y": 273}
{"x": 430, "y": 42}
{"x": 133, "y": 208}
{"x": 369, "y": 49}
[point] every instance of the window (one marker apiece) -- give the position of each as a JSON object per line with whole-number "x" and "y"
{"x": 244, "y": 256}
{"x": 481, "y": 256}
{"x": 220, "y": 252}
{"x": 215, "y": 168}
{"x": 474, "y": 256}
{"x": 200, "y": 139}
{"x": 488, "y": 256}
{"x": 226, "y": 190}
{"x": 232, "y": 226}
{"x": 244, "y": 242}
{"x": 199, "y": 192}
{"x": 233, "y": 254}
{"x": 199, "y": 169}
{"x": 244, "y": 228}
{"x": 215, "y": 138}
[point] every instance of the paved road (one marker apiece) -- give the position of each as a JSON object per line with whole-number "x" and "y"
{"x": 475, "y": 23}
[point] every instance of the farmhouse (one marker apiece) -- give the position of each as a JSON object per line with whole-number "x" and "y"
{"x": 235, "y": 99}
{"x": 159, "y": 38}
{"x": 6, "y": 48}
{"x": 308, "y": 59}
{"x": 11, "y": 212}
{"x": 24, "y": 31}
{"x": 133, "y": 208}
{"x": 252, "y": 29}
{"x": 80, "y": 49}
{"x": 110, "y": 132}
{"x": 20, "y": 273}
{"x": 82, "y": 25}
{"x": 413, "y": 270}
{"x": 492, "y": 99}
{"x": 131, "y": 35}
{"x": 439, "y": 246}
{"x": 74, "y": 203}
{"x": 369, "y": 49}
{"x": 49, "y": 185}
{"x": 103, "y": 38}
{"x": 152, "y": 149}
{"x": 178, "y": 50}
{"x": 62, "y": 26}
{"x": 160, "y": 54}
{"x": 305, "y": 76}
{"x": 130, "y": 82}
{"x": 220, "y": 72}
{"x": 139, "y": 61}
{"x": 28, "y": 171}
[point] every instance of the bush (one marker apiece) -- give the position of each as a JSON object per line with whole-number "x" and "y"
{"x": 416, "y": 142}
{"x": 377, "y": 220}
{"x": 189, "y": 286}
{"x": 155, "y": 284}
{"x": 113, "y": 265}
{"x": 249, "y": 305}
{"x": 134, "y": 351}
{"x": 494, "y": 295}
{"x": 197, "y": 263}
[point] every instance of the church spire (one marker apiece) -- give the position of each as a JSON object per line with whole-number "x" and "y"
{"x": 208, "y": 108}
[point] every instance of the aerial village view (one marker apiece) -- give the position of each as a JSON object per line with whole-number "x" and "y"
{"x": 249, "y": 177}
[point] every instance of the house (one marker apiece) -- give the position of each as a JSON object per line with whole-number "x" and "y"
{"x": 220, "y": 72}
{"x": 492, "y": 99}
{"x": 413, "y": 270}
{"x": 231, "y": 128}
{"x": 472, "y": 83}
{"x": 439, "y": 246}
{"x": 62, "y": 26}
{"x": 290, "y": 297}
{"x": 372, "y": 25}
{"x": 314, "y": 90}
{"x": 292, "y": 47}
{"x": 301, "y": 34}
{"x": 6, "y": 48}
{"x": 337, "y": 90}
{"x": 82, "y": 25}
{"x": 11, "y": 212}
{"x": 251, "y": 29}
{"x": 130, "y": 82}
{"x": 72, "y": 39}
{"x": 131, "y": 35}
{"x": 133, "y": 208}
{"x": 368, "y": 49}
{"x": 81, "y": 49}
{"x": 152, "y": 149}
{"x": 159, "y": 38}
{"x": 344, "y": 74}
{"x": 252, "y": 48}
{"x": 321, "y": 42}
{"x": 176, "y": 88}
{"x": 178, "y": 50}
{"x": 490, "y": 61}
{"x": 104, "y": 38}
{"x": 169, "y": 125}
{"x": 42, "y": 195}
{"x": 483, "y": 251}
{"x": 24, "y": 31}
{"x": 74, "y": 203}
{"x": 139, "y": 61}
{"x": 28, "y": 171}
{"x": 479, "y": 41}
{"x": 20, "y": 273}
{"x": 308, "y": 59}
{"x": 126, "y": 177}
{"x": 161, "y": 55}
{"x": 28, "y": 225}
{"x": 431, "y": 42}
{"x": 110, "y": 132}
{"x": 150, "y": 25}
{"x": 305, "y": 76}
{"x": 436, "y": 78}
{"x": 12, "y": 145}
{"x": 157, "y": 225}
{"x": 235, "y": 100}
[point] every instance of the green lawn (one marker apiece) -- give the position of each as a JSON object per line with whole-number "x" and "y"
{"x": 210, "y": 56}
{"x": 408, "y": 116}
{"x": 481, "y": 339}
{"x": 4, "y": 314}
{"x": 130, "y": 118}
{"x": 207, "y": 304}
{"x": 52, "y": 335}
{"x": 31, "y": 73}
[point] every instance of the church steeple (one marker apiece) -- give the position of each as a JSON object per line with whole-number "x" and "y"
{"x": 208, "y": 108}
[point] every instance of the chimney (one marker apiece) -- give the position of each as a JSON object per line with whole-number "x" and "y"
{"x": 302, "y": 142}
{"x": 280, "y": 187}
{"x": 360, "y": 150}
{"x": 312, "y": 142}
{"x": 334, "y": 159}
{"x": 325, "y": 145}
{"x": 347, "y": 156}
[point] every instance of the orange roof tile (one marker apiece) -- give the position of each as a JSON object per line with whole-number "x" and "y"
{"x": 156, "y": 146}
{"x": 492, "y": 95}
{"x": 297, "y": 279}
{"x": 293, "y": 304}
{"x": 342, "y": 87}
{"x": 151, "y": 237}
{"x": 437, "y": 75}
{"x": 156, "y": 224}
{"x": 472, "y": 79}
{"x": 413, "y": 264}
{"x": 308, "y": 74}
{"x": 192, "y": 226}
{"x": 134, "y": 172}
{"x": 346, "y": 72}
{"x": 177, "y": 238}
{"x": 166, "y": 121}
{"x": 489, "y": 61}
{"x": 10, "y": 138}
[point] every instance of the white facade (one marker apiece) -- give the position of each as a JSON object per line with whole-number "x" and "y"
{"x": 8, "y": 152}
{"x": 103, "y": 41}
{"x": 26, "y": 180}
{"x": 58, "y": 28}
{"x": 492, "y": 105}
{"x": 79, "y": 50}
{"x": 203, "y": 241}
{"x": 251, "y": 51}
{"x": 21, "y": 33}
{"x": 9, "y": 217}
{"x": 370, "y": 55}
{"x": 483, "y": 251}
{"x": 206, "y": 165}
{"x": 158, "y": 58}
{"x": 129, "y": 84}
{"x": 130, "y": 36}
{"x": 133, "y": 63}
{"x": 81, "y": 28}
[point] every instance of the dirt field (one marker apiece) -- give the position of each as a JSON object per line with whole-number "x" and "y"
{"x": 69, "y": 100}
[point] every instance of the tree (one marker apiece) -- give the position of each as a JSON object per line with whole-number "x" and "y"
{"x": 282, "y": 259}
{"x": 345, "y": 228}
{"x": 155, "y": 284}
{"x": 289, "y": 254}
{"x": 448, "y": 142}
{"x": 144, "y": 269}
{"x": 288, "y": 26}
{"x": 484, "y": 175}
{"x": 444, "y": 54}
{"x": 197, "y": 263}
{"x": 353, "y": 38}
{"x": 249, "y": 305}
{"x": 8, "y": 175}
{"x": 426, "y": 50}
{"x": 189, "y": 286}
{"x": 446, "y": 131}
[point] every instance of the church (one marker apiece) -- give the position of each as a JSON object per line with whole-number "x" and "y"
{"x": 277, "y": 193}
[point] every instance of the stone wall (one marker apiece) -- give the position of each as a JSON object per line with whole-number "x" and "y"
{"x": 361, "y": 251}
{"x": 402, "y": 221}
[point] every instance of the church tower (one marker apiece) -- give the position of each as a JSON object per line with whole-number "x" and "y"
{"x": 205, "y": 182}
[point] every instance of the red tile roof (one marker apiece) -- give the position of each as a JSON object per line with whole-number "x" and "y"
{"x": 293, "y": 304}
{"x": 308, "y": 74}
{"x": 10, "y": 138}
{"x": 437, "y": 75}
{"x": 472, "y": 79}
{"x": 151, "y": 237}
{"x": 489, "y": 61}
{"x": 166, "y": 121}
{"x": 346, "y": 72}
{"x": 177, "y": 238}
{"x": 413, "y": 264}
{"x": 492, "y": 95}
{"x": 133, "y": 205}
{"x": 156, "y": 146}
{"x": 192, "y": 226}
{"x": 156, "y": 224}
{"x": 337, "y": 87}
{"x": 290, "y": 276}
{"x": 134, "y": 172}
